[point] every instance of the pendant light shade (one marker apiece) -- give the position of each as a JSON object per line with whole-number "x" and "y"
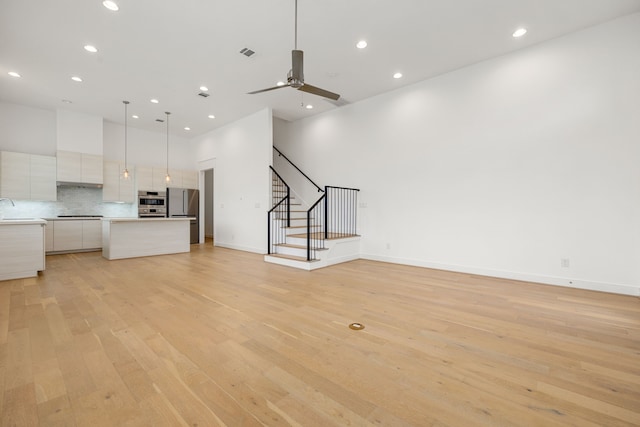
{"x": 125, "y": 172}
{"x": 168, "y": 177}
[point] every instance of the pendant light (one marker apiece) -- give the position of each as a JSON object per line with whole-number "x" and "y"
{"x": 168, "y": 177}
{"x": 125, "y": 172}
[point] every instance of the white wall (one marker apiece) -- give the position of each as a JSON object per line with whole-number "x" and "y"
{"x": 78, "y": 132}
{"x": 147, "y": 148}
{"x": 503, "y": 168}
{"x": 27, "y": 129}
{"x": 242, "y": 155}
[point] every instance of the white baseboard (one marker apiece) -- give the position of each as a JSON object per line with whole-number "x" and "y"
{"x": 239, "y": 248}
{"x": 615, "y": 288}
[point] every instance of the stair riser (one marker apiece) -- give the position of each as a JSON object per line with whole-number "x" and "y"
{"x": 294, "y": 221}
{"x": 301, "y": 241}
{"x": 291, "y": 251}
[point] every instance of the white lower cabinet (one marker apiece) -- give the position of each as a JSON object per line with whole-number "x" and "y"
{"x": 73, "y": 235}
{"x": 67, "y": 235}
{"x": 48, "y": 237}
{"x": 91, "y": 234}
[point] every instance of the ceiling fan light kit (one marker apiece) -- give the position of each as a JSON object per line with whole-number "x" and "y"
{"x": 295, "y": 77}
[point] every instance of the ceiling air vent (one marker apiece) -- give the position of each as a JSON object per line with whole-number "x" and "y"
{"x": 203, "y": 94}
{"x": 247, "y": 52}
{"x": 159, "y": 120}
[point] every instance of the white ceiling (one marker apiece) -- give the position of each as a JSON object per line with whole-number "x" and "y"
{"x": 167, "y": 49}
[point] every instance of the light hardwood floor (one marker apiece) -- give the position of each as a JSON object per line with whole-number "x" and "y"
{"x": 219, "y": 337}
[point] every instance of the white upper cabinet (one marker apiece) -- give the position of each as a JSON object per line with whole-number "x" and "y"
{"x": 79, "y": 167}
{"x": 92, "y": 172}
{"x": 152, "y": 179}
{"x": 27, "y": 176}
{"x": 14, "y": 175}
{"x": 190, "y": 179}
{"x": 43, "y": 178}
{"x": 116, "y": 188}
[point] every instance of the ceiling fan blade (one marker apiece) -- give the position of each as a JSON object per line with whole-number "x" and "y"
{"x": 266, "y": 90}
{"x": 317, "y": 91}
{"x": 297, "y": 65}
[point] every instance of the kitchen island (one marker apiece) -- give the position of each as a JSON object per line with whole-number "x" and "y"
{"x": 22, "y": 247}
{"x": 138, "y": 237}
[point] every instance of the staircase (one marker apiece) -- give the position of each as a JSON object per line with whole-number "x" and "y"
{"x": 311, "y": 237}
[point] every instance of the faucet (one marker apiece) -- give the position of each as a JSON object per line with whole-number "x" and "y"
{"x": 5, "y": 198}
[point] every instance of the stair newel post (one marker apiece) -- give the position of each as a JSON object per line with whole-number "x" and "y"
{"x": 269, "y": 233}
{"x": 326, "y": 213}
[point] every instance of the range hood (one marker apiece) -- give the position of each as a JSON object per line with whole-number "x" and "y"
{"x": 77, "y": 184}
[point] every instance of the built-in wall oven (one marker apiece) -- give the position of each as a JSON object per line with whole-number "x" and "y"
{"x": 152, "y": 204}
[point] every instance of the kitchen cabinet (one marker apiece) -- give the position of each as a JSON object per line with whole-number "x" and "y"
{"x": 151, "y": 179}
{"x": 79, "y": 167}
{"x": 21, "y": 248}
{"x": 67, "y": 235}
{"x": 190, "y": 179}
{"x": 72, "y": 235}
{"x": 43, "y": 177}
{"x": 27, "y": 176}
{"x": 91, "y": 234}
{"x": 116, "y": 188}
{"x": 48, "y": 237}
{"x": 183, "y": 178}
{"x": 14, "y": 176}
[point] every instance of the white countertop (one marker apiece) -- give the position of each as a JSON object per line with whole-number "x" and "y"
{"x": 73, "y": 218}
{"x": 21, "y": 221}
{"x": 135, "y": 219}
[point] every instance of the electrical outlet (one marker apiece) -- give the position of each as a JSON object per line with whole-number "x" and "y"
{"x": 564, "y": 263}
{"x": 388, "y": 245}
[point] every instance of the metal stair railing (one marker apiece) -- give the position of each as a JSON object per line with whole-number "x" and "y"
{"x": 280, "y": 212}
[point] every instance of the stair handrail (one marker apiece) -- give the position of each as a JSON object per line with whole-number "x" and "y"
{"x": 309, "y": 250}
{"x": 320, "y": 190}
{"x": 287, "y": 197}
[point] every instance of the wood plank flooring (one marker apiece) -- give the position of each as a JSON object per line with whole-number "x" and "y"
{"x": 218, "y": 337}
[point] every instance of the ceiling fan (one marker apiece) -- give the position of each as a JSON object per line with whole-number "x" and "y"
{"x": 295, "y": 77}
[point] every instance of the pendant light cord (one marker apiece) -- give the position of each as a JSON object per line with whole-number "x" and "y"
{"x": 126, "y": 103}
{"x": 167, "y": 113}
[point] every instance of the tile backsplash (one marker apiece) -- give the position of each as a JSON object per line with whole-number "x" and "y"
{"x": 71, "y": 201}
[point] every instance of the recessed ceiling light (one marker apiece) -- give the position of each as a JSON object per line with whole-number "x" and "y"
{"x": 187, "y": 128}
{"x": 111, "y": 5}
{"x": 309, "y": 107}
{"x": 76, "y": 79}
{"x": 14, "y": 74}
{"x": 280, "y": 84}
{"x": 211, "y": 116}
{"x": 135, "y": 117}
{"x": 155, "y": 101}
{"x": 66, "y": 101}
{"x": 519, "y": 32}
{"x": 204, "y": 88}
{"x": 90, "y": 48}
{"x": 397, "y": 75}
{"x": 361, "y": 44}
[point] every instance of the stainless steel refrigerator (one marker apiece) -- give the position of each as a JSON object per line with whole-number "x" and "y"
{"x": 185, "y": 202}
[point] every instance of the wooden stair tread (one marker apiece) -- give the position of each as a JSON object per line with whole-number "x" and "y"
{"x": 292, "y": 257}
{"x": 320, "y": 236}
{"x": 289, "y": 245}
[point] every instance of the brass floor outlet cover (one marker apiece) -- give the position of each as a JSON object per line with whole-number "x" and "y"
{"x": 356, "y": 326}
